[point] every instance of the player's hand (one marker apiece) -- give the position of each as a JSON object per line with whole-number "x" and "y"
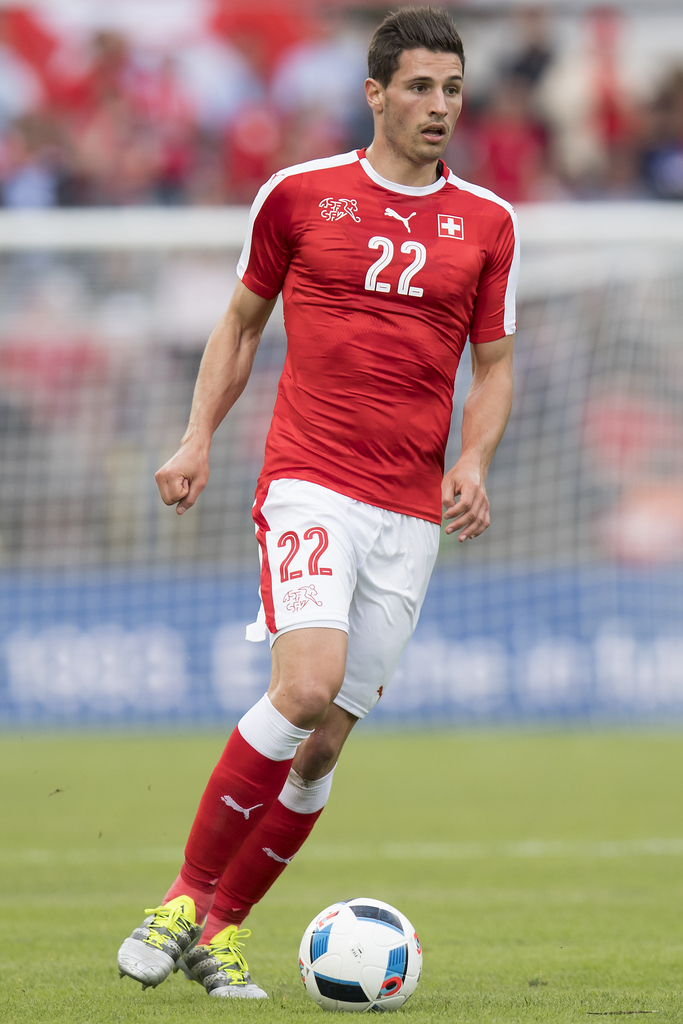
{"x": 183, "y": 478}
{"x": 466, "y": 502}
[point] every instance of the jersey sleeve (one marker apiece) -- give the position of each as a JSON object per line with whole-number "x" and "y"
{"x": 495, "y": 309}
{"x": 267, "y": 251}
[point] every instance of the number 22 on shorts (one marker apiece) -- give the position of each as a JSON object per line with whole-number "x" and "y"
{"x": 291, "y": 540}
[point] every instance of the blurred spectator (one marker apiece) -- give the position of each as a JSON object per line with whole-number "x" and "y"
{"x": 664, "y": 141}
{"x": 320, "y": 104}
{"x": 236, "y": 143}
{"x": 511, "y": 144}
{"x": 502, "y": 140}
{"x": 21, "y": 91}
{"x": 31, "y": 163}
{"x": 218, "y": 80}
{"x": 117, "y": 157}
{"x": 536, "y": 51}
{"x": 169, "y": 110}
{"x": 591, "y": 103}
{"x": 253, "y": 146}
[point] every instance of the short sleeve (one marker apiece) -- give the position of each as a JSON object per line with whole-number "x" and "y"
{"x": 495, "y": 305}
{"x": 266, "y": 255}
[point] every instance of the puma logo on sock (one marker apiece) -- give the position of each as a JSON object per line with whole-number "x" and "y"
{"x": 280, "y": 860}
{"x": 246, "y": 811}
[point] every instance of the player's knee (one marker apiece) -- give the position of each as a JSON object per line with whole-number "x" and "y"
{"x": 320, "y": 753}
{"x": 315, "y": 698}
{"x": 305, "y": 702}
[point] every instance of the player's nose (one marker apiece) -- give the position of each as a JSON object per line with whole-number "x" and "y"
{"x": 439, "y": 109}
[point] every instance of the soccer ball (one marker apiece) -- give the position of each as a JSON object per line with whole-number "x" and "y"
{"x": 360, "y": 955}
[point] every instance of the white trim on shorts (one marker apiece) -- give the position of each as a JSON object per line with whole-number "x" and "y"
{"x": 315, "y": 624}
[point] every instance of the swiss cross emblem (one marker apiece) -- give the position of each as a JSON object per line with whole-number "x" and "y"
{"x": 335, "y": 209}
{"x": 451, "y": 227}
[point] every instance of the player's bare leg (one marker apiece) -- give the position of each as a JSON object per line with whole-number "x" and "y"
{"x": 297, "y": 657}
{"x": 307, "y": 674}
{"x": 318, "y": 755}
{"x": 286, "y": 827}
{"x": 308, "y": 671}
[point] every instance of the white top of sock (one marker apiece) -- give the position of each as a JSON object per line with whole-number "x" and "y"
{"x": 303, "y": 796}
{"x": 269, "y": 732}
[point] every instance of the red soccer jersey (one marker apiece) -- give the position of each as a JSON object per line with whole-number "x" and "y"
{"x": 382, "y": 285}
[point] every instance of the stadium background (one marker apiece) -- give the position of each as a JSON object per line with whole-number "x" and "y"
{"x": 132, "y": 134}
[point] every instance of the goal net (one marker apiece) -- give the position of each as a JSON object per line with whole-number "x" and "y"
{"x": 114, "y": 608}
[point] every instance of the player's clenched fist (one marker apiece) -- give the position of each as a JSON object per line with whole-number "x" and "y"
{"x": 183, "y": 478}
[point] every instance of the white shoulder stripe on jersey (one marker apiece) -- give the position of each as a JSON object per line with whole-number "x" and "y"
{"x": 310, "y": 165}
{"x": 510, "y": 319}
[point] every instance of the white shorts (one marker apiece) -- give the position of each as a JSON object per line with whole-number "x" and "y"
{"x": 329, "y": 560}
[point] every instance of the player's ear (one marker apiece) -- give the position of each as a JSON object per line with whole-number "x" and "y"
{"x": 375, "y": 95}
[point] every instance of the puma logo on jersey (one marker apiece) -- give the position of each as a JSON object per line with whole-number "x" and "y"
{"x": 280, "y": 860}
{"x": 246, "y": 811}
{"x": 335, "y": 209}
{"x": 404, "y": 220}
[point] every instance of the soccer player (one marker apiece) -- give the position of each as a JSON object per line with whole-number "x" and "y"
{"x": 387, "y": 263}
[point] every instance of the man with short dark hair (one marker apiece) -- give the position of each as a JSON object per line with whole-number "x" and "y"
{"x": 387, "y": 263}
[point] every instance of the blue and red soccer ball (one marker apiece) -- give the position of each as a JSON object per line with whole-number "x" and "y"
{"x": 360, "y": 955}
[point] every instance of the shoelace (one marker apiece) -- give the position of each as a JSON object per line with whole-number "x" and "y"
{"x": 172, "y": 919}
{"x": 232, "y": 951}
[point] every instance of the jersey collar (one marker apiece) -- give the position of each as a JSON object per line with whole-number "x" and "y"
{"x": 406, "y": 190}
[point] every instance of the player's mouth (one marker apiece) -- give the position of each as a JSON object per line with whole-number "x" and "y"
{"x": 435, "y": 132}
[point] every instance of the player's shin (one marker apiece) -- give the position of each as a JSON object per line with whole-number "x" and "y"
{"x": 243, "y": 787}
{"x": 268, "y": 850}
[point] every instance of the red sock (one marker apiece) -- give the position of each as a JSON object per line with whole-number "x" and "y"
{"x": 203, "y": 897}
{"x": 261, "y": 860}
{"x": 242, "y": 788}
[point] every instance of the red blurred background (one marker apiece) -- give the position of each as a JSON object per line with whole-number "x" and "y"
{"x": 198, "y": 101}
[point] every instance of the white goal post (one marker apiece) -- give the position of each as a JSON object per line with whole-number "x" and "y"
{"x": 220, "y": 228}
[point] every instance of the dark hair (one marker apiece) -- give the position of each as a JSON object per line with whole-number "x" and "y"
{"x": 411, "y": 28}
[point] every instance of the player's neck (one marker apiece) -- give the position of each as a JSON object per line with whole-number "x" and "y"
{"x": 398, "y": 168}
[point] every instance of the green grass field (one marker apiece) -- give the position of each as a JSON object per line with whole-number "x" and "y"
{"x": 543, "y": 872}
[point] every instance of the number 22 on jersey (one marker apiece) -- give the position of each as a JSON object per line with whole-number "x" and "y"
{"x": 372, "y": 284}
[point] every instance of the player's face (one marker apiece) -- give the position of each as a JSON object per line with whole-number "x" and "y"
{"x": 421, "y": 104}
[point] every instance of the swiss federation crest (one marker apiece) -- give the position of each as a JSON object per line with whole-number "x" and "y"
{"x": 335, "y": 209}
{"x": 295, "y": 600}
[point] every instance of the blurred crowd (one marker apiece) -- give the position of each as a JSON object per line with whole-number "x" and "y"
{"x": 103, "y": 118}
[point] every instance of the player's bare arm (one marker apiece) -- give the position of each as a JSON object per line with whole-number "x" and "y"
{"x": 223, "y": 375}
{"x": 485, "y": 416}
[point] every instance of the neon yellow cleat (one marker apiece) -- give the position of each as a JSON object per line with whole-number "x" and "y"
{"x": 152, "y": 951}
{"x": 220, "y": 966}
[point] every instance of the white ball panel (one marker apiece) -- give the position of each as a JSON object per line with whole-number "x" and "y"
{"x": 392, "y": 1002}
{"x": 386, "y": 938}
{"x": 344, "y": 923}
{"x": 371, "y": 977}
